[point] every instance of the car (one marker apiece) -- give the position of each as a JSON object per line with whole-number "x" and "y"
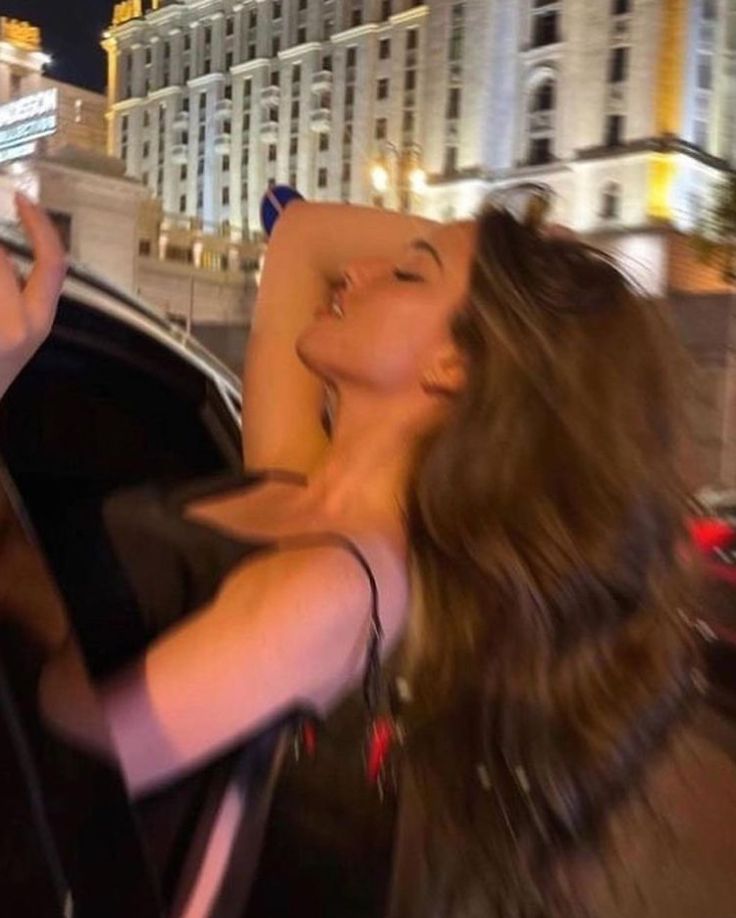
{"x": 115, "y": 398}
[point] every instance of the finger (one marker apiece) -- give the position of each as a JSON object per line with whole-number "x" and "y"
{"x": 43, "y": 286}
{"x": 39, "y": 229}
{"x": 14, "y": 322}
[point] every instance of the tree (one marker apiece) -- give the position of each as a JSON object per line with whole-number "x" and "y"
{"x": 714, "y": 239}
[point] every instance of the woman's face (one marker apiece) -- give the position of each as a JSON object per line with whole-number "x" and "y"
{"x": 395, "y": 315}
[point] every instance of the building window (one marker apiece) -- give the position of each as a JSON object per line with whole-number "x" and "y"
{"x": 540, "y": 151}
{"x": 619, "y": 65}
{"x": 252, "y": 19}
{"x": 275, "y": 46}
{"x": 356, "y": 15}
{"x": 456, "y": 33}
{"x": 322, "y": 178}
{"x": 701, "y": 135}
{"x": 225, "y": 197}
{"x": 228, "y": 60}
{"x": 183, "y": 204}
{"x": 450, "y": 166}
{"x": 229, "y": 26}
{"x": 293, "y": 146}
{"x": 544, "y": 23}
{"x": 620, "y": 7}
{"x": 709, "y": 9}
{"x": 453, "y": 103}
{"x": 327, "y": 63}
{"x": 614, "y": 130}
{"x": 346, "y": 172}
{"x": 543, "y": 99}
{"x": 225, "y": 163}
{"x": 385, "y": 9}
{"x": 381, "y": 125}
{"x": 324, "y": 142}
{"x": 302, "y": 5}
{"x": 183, "y": 174}
{"x": 277, "y": 9}
{"x": 382, "y": 89}
{"x": 301, "y": 35}
{"x": 146, "y": 149}
{"x": 272, "y": 150}
{"x": 407, "y": 123}
{"x": 351, "y": 57}
{"x": 705, "y": 72}
{"x": 611, "y": 202}
{"x": 412, "y": 39}
{"x": 410, "y": 79}
{"x": 542, "y": 121}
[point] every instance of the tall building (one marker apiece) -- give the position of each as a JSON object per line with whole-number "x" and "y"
{"x": 624, "y": 107}
{"x": 212, "y": 100}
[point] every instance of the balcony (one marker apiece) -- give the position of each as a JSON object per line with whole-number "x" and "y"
{"x": 223, "y": 109}
{"x": 223, "y": 144}
{"x": 322, "y": 81}
{"x": 270, "y": 131}
{"x": 270, "y": 96}
{"x": 181, "y": 122}
{"x": 319, "y": 121}
{"x": 180, "y": 154}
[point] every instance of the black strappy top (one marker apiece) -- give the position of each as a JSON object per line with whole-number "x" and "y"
{"x": 328, "y": 845}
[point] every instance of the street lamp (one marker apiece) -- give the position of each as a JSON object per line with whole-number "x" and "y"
{"x": 401, "y": 168}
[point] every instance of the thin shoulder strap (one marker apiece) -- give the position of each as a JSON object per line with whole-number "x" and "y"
{"x": 372, "y": 674}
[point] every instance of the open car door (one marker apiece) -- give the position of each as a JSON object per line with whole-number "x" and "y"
{"x": 69, "y": 844}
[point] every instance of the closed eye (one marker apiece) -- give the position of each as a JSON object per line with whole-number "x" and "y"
{"x": 406, "y": 275}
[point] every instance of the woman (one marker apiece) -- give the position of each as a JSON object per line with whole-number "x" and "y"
{"x": 496, "y": 517}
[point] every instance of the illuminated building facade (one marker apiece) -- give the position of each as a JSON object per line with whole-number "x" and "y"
{"x": 51, "y": 115}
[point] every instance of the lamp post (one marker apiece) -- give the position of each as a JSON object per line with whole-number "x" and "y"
{"x": 399, "y": 170}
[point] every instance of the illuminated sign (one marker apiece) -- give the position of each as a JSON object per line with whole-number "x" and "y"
{"x": 25, "y": 121}
{"x": 21, "y": 34}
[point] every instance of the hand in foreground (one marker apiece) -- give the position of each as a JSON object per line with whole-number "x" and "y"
{"x": 27, "y": 309}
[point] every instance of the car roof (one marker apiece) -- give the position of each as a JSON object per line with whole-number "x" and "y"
{"x": 100, "y": 294}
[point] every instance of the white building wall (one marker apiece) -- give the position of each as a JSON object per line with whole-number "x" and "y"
{"x": 495, "y": 76}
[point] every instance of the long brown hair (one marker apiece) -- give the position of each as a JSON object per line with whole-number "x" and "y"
{"x": 546, "y": 524}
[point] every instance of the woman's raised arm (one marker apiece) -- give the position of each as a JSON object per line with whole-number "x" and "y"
{"x": 282, "y": 400}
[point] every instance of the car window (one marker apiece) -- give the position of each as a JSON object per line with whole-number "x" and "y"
{"x": 101, "y": 407}
{"x": 69, "y": 843}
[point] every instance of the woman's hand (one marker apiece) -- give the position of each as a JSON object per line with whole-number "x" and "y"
{"x": 27, "y": 310}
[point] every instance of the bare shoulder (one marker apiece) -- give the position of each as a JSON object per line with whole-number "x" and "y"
{"x": 315, "y": 598}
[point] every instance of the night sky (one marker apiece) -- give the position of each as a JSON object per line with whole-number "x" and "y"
{"x": 71, "y": 31}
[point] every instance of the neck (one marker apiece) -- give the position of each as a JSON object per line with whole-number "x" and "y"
{"x": 365, "y": 471}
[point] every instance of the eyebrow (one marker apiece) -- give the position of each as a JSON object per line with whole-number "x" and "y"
{"x": 423, "y": 246}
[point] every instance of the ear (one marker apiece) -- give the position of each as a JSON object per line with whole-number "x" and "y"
{"x": 446, "y": 375}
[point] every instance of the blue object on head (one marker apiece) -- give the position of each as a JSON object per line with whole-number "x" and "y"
{"x": 273, "y": 204}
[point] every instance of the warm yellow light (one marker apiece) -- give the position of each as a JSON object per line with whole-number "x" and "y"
{"x": 418, "y": 180}
{"x": 20, "y": 33}
{"x": 379, "y": 177}
{"x": 662, "y": 174}
{"x": 126, "y": 10}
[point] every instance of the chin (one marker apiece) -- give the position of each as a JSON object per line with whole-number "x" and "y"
{"x": 311, "y": 353}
